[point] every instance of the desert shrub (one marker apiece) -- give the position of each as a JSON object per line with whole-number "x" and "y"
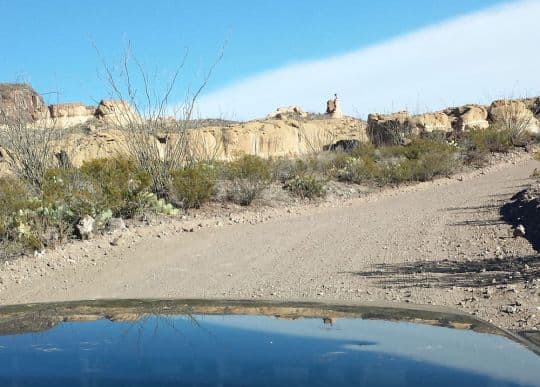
{"x": 70, "y": 188}
{"x": 193, "y": 185}
{"x": 364, "y": 151}
{"x": 420, "y": 160}
{"x": 250, "y": 175}
{"x": 306, "y": 186}
{"x": 26, "y": 224}
{"x": 489, "y": 140}
{"x": 423, "y": 159}
{"x": 514, "y": 119}
{"x": 359, "y": 170}
{"x": 13, "y": 198}
{"x": 119, "y": 185}
{"x": 284, "y": 169}
{"x": 44, "y": 226}
{"x": 359, "y": 166}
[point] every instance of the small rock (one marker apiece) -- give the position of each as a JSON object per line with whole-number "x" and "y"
{"x": 510, "y": 309}
{"x": 115, "y": 224}
{"x": 115, "y": 241}
{"x": 519, "y": 231}
{"x": 85, "y": 227}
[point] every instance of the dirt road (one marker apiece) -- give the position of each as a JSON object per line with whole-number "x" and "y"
{"x": 440, "y": 243}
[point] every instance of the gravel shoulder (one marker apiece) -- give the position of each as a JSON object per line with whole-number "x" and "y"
{"x": 440, "y": 243}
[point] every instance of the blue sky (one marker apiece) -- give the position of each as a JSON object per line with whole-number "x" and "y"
{"x": 50, "y": 42}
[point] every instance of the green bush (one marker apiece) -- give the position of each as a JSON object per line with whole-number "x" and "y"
{"x": 193, "y": 185}
{"x": 284, "y": 169}
{"x": 420, "y": 160}
{"x": 13, "y": 198}
{"x": 72, "y": 189}
{"x": 119, "y": 185}
{"x": 26, "y": 224}
{"x": 364, "y": 151}
{"x": 306, "y": 186}
{"x": 359, "y": 170}
{"x": 250, "y": 175}
{"x": 489, "y": 140}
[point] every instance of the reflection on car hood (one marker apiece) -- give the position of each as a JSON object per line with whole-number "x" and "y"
{"x": 201, "y": 342}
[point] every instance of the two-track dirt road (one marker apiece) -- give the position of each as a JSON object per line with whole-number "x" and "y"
{"x": 441, "y": 243}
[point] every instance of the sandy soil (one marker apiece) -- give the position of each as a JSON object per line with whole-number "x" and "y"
{"x": 439, "y": 243}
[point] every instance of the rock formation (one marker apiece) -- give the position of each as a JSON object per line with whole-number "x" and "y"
{"x": 333, "y": 107}
{"x": 389, "y": 128}
{"x": 288, "y": 131}
{"x": 21, "y": 102}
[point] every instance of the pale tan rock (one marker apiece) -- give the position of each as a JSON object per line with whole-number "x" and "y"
{"x": 430, "y": 122}
{"x": 473, "y": 117}
{"x": 283, "y": 112}
{"x": 74, "y": 109}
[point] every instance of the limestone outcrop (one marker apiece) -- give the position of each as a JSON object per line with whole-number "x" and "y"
{"x": 21, "y": 102}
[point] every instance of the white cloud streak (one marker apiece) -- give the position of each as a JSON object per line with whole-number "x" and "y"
{"x": 473, "y": 58}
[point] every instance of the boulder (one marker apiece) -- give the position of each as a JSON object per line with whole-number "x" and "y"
{"x": 473, "y": 117}
{"x": 430, "y": 122}
{"x": 115, "y": 224}
{"x": 468, "y": 117}
{"x": 85, "y": 227}
{"x": 389, "y": 128}
{"x": 513, "y": 115}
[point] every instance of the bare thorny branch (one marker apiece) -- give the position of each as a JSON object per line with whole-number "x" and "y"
{"x": 29, "y": 148}
{"x": 156, "y": 134}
